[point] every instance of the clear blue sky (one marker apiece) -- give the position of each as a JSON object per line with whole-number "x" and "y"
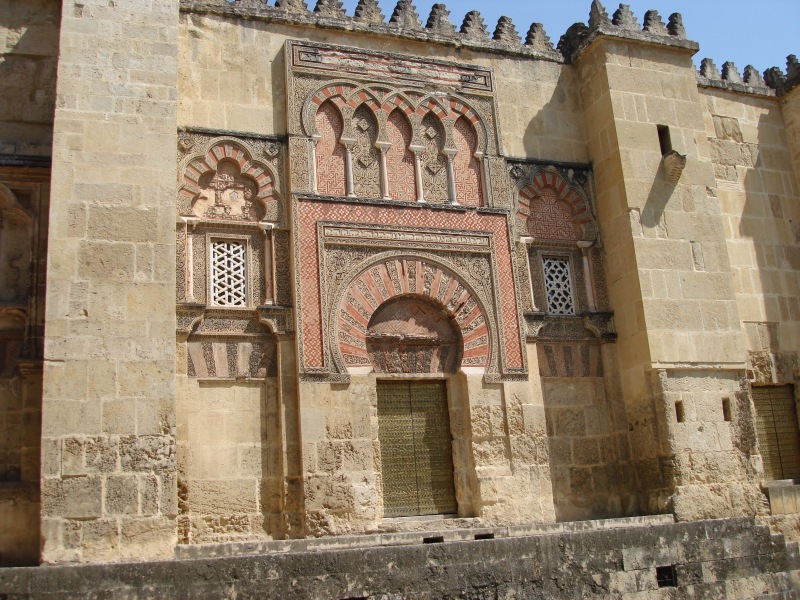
{"x": 757, "y": 32}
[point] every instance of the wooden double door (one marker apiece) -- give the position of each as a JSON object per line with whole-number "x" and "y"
{"x": 416, "y": 448}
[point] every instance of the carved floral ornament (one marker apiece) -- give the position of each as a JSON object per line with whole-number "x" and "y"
{"x": 223, "y": 182}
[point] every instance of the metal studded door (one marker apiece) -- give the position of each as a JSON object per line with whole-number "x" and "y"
{"x": 416, "y": 448}
{"x": 777, "y": 430}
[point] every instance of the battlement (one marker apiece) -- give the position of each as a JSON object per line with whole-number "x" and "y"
{"x": 405, "y": 22}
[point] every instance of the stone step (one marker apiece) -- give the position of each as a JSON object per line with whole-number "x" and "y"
{"x": 633, "y": 558}
{"x": 423, "y": 535}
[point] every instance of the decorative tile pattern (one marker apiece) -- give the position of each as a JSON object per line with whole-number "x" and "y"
{"x": 554, "y": 209}
{"x": 466, "y": 167}
{"x": 551, "y": 219}
{"x": 399, "y": 159}
{"x": 370, "y": 290}
{"x": 308, "y": 279}
{"x": 330, "y": 152}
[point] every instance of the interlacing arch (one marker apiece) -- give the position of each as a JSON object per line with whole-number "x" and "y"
{"x": 409, "y": 277}
{"x": 347, "y": 94}
{"x": 547, "y": 201}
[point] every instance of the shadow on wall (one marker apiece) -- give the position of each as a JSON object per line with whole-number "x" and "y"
{"x": 770, "y": 222}
{"x": 28, "y": 65}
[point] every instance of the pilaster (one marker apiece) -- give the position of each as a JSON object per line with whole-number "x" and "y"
{"x": 108, "y": 423}
{"x": 670, "y": 282}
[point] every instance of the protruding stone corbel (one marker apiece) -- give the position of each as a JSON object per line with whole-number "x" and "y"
{"x": 187, "y": 319}
{"x": 674, "y": 162}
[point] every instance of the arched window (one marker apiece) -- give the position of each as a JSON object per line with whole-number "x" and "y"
{"x": 399, "y": 159}
{"x": 366, "y": 158}
{"x": 330, "y": 152}
{"x": 434, "y": 163}
{"x": 467, "y": 168}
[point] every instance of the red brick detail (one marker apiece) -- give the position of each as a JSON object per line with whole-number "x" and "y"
{"x": 330, "y": 153}
{"x": 468, "y": 316}
{"x": 399, "y": 159}
{"x": 554, "y": 210}
{"x": 467, "y": 168}
{"x": 368, "y": 293}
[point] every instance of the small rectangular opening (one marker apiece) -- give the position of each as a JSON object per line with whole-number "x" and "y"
{"x": 665, "y": 576}
{"x": 436, "y": 539}
{"x": 679, "y": 411}
{"x": 484, "y": 536}
{"x": 726, "y": 409}
{"x": 664, "y": 139}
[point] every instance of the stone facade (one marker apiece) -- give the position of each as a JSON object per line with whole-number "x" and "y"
{"x": 272, "y": 273}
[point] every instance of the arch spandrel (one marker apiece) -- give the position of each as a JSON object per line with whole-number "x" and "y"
{"x": 408, "y": 277}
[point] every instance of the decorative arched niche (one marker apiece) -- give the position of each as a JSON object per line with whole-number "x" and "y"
{"x": 408, "y": 334}
{"x": 555, "y": 211}
{"x": 224, "y": 182}
{"x": 416, "y": 302}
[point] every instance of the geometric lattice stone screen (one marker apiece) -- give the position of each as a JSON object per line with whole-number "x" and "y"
{"x": 228, "y": 273}
{"x": 558, "y": 286}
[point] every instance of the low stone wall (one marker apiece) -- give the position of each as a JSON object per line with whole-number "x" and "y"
{"x": 731, "y": 558}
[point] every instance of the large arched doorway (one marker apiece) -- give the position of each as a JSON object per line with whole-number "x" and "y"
{"x": 410, "y": 335}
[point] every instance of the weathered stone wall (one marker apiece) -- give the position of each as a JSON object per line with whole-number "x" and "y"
{"x": 729, "y": 560}
{"x": 29, "y": 37}
{"x": 244, "y": 90}
{"x": 665, "y": 245}
{"x": 758, "y": 196}
{"x": 229, "y": 458}
{"x": 586, "y": 432}
{"x": 108, "y": 428}
{"x": 24, "y": 207}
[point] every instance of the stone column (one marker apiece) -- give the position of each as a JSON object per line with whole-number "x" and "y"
{"x": 108, "y": 419}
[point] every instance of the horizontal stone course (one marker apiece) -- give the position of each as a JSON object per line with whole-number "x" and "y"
{"x": 615, "y": 558}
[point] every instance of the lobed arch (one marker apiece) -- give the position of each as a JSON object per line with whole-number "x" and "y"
{"x": 393, "y": 277}
{"x": 547, "y": 182}
{"x": 334, "y": 92}
{"x": 197, "y": 166}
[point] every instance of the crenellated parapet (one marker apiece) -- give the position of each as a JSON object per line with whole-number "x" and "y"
{"x": 729, "y": 78}
{"x": 782, "y": 82}
{"x": 404, "y": 21}
{"x": 624, "y": 24}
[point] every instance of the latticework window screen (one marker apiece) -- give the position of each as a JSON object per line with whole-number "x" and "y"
{"x": 228, "y": 273}
{"x": 558, "y": 285}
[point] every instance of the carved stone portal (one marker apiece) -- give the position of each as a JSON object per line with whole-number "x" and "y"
{"x": 409, "y": 335}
